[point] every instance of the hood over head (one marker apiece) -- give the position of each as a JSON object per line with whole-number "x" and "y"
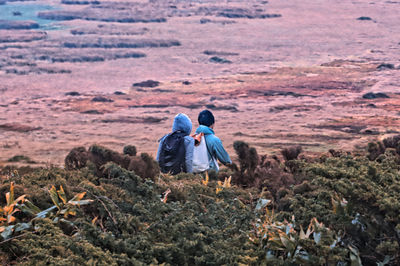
{"x": 183, "y": 123}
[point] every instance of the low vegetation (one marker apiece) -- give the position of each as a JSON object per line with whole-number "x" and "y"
{"x": 116, "y": 208}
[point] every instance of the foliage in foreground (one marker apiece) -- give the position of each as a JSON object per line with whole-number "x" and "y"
{"x": 132, "y": 220}
{"x": 341, "y": 210}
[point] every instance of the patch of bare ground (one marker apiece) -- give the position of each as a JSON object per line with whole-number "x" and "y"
{"x": 262, "y": 105}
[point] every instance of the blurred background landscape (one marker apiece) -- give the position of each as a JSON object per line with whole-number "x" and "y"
{"x": 320, "y": 74}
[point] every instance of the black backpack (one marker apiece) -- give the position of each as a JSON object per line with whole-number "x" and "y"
{"x": 172, "y": 153}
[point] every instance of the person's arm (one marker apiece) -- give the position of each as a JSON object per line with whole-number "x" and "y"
{"x": 221, "y": 153}
{"x": 189, "y": 147}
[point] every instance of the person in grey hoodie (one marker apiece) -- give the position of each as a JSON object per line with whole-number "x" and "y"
{"x": 215, "y": 148}
{"x": 181, "y": 128}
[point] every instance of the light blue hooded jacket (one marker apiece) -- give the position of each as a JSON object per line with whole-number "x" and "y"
{"x": 183, "y": 123}
{"x": 214, "y": 147}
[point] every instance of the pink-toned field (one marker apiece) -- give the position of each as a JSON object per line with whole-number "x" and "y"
{"x": 275, "y": 74}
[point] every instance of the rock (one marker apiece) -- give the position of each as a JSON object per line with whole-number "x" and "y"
{"x": 205, "y": 20}
{"x": 72, "y": 93}
{"x": 75, "y": 2}
{"x": 186, "y": 82}
{"x": 17, "y": 13}
{"x": 364, "y": 18}
{"x": 101, "y": 99}
{"x": 384, "y": 66}
{"x": 223, "y": 22}
{"x": 284, "y": 93}
{"x": 92, "y": 112}
{"x": 370, "y": 131}
{"x": 147, "y": 84}
{"x": 119, "y": 93}
{"x": 371, "y": 95}
{"x": 220, "y": 60}
{"x": 245, "y": 13}
{"x": 219, "y": 53}
{"x": 162, "y": 90}
{"x": 222, "y": 107}
{"x": 18, "y": 25}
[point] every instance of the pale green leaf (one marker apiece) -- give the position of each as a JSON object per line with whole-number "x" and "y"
{"x": 22, "y": 226}
{"x": 317, "y": 237}
{"x": 80, "y": 202}
{"x": 8, "y": 231}
{"x": 54, "y": 197}
{"x": 44, "y": 213}
{"x": 29, "y": 207}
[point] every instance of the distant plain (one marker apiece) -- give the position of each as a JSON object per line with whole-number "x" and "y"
{"x": 320, "y": 74}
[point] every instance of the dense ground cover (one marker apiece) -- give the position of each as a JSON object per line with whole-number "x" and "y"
{"x": 340, "y": 209}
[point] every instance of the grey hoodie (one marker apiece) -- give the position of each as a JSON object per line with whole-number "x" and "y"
{"x": 183, "y": 123}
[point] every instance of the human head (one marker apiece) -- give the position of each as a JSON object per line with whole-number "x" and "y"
{"x": 206, "y": 118}
{"x": 183, "y": 123}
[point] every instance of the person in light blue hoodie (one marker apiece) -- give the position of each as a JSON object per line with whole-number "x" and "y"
{"x": 182, "y": 126}
{"x": 214, "y": 144}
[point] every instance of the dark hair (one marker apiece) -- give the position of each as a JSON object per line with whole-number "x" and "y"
{"x": 206, "y": 118}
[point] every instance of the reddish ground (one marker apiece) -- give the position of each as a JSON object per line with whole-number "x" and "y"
{"x": 298, "y": 79}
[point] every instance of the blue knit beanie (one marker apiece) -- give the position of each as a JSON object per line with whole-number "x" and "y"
{"x": 206, "y": 118}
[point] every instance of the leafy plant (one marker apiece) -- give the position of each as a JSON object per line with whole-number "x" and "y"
{"x": 281, "y": 241}
{"x": 221, "y": 186}
{"x": 64, "y": 208}
{"x": 7, "y": 212}
{"x": 7, "y": 218}
{"x": 8, "y": 222}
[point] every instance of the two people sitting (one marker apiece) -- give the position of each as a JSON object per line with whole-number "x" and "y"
{"x": 176, "y": 150}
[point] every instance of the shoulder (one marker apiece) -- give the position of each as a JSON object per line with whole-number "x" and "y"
{"x": 163, "y": 138}
{"x": 213, "y": 140}
{"x": 189, "y": 140}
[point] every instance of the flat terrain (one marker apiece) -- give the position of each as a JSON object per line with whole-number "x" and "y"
{"x": 321, "y": 74}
